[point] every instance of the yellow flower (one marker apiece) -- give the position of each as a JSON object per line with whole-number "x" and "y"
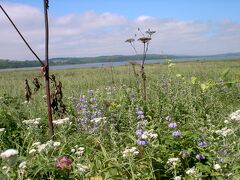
{"x": 96, "y": 178}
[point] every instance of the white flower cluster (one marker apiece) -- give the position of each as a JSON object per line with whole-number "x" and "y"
{"x": 173, "y": 161}
{"x": 61, "y": 121}
{"x": 148, "y": 135}
{"x": 26, "y": 102}
{"x": 177, "y": 178}
{"x": 82, "y": 168}
{"x": 32, "y": 122}
{"x": 38, "y": 147}
{"x": 217, "y": 167}
{"x": 9, "y": 153}
{"x": 226, "y": 121}
{"x": 5, "y": 170}
{"x": 99, "y": 120}
{"x": 78, "y": 150}
{"x": 22, "y": 166}
{"x": 192, "y": 171}
{"x": 109, "y": 90}
{"x": 2, "y": 130}
{"x": 235, "y": 116}
{"x": 130, "y": 152}
{"x": 224, "y": 132}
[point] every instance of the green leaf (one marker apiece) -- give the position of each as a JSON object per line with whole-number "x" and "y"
{"x": 104, "y": 151}
{"x": 225, "y": 73}
{"x": 178, "y": 75}
{"x": 204, "y": 87}
{"x": 132, "y": 137}
{"x": 149, "y": 117}
{"x": 193, "y": 80}
{"x": 208, "y": 85}
{"x": 229, "y": 84}
{"x": 238, "y": 73}
{"x": 203, "y": 168}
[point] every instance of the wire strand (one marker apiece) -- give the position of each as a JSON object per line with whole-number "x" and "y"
{"x": 20, "y": 34}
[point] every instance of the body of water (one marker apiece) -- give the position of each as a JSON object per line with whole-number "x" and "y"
{"x": 109, "y": 64}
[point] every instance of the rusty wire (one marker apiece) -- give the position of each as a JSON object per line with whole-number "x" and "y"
{"x": 20, "y": 34}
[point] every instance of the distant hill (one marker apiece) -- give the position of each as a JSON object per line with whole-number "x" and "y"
{"x": 4, "y": 64}
{"x": 101, "y": 59}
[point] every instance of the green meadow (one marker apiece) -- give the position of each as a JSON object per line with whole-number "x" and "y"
{"x": 187, "y": 128}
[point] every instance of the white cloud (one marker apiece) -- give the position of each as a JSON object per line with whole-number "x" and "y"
{"x": 93, "y": 34}
{"x": 144, "y": 18}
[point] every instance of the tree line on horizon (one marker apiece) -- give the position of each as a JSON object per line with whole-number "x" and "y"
{"x": 76, "y": 60}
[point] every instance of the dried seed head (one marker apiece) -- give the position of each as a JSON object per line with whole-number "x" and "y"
{"x": 150, "y": 33}
{"x": 36, "y": 84}
{"x": 140, "y": 32}
{"x": 144, "y": 39}
{"x": 130, "y": 40}
{"x": 28, "y": 92}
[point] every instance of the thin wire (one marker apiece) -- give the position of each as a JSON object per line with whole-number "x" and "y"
{"x": 21, "y": 36}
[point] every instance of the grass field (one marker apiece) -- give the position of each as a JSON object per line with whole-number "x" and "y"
{"x": 185, "y": 129}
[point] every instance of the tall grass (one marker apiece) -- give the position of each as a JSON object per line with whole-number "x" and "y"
{"x": 197, "y": 96}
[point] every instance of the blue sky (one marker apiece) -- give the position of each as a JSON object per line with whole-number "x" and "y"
{"x": 80, "y": 28}
{"x": 176, "y": 9}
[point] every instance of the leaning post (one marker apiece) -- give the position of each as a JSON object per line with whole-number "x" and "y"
{"x": 46, "y": 68}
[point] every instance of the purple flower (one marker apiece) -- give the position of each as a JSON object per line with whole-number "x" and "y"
{"x": 202, "y": 144}
{"x": 85, "y": 111}
{"x": 139, "y": 112}
{"x": 92, "y": 100}
{"x": 168, "y": 118}
{"x": 139, "y": 132}
{"x": 86, "y": 120}
{"x": 142, "y": 142}
{"x": 176, "y": 133}
{"x": 64, "y": 159}
{"x": 172, "y": 125}
{"x": 93, "y": 106}
{"x": 200, "y": 157}
{"x": 140, "y": 116}
{"x": 83, "y": 106}
{"x": 94, "y": 114}
{"x": 184, "y": 154}
{"x": 91, "y": 128}
{"x": 83, "y": 99}
{"x": 63, "y": 162}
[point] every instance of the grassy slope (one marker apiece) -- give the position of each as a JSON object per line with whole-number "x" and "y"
{"x": 167, "y": 95}
{"x": 78, "y": 80}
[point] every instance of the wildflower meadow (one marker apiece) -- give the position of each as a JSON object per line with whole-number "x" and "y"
{"x": 187, "y": 126}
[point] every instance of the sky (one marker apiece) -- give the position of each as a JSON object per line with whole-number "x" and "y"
{"x": 81, "y": 28}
